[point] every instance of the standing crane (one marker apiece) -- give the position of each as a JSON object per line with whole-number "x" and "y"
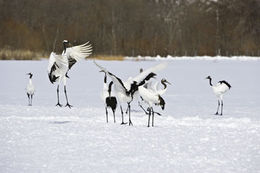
{"x": 30, "y": 89}
{"x": 59, "y": 65}
{"x": 219, "y": 90}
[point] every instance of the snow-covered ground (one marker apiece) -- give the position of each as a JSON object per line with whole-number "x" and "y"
{"x": 188, "y": 137}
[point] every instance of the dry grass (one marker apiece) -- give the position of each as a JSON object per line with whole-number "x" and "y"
{"x": 108, "y": 57}
{"x": 10, "y": 54}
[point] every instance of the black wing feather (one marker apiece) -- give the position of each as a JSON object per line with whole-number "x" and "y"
{"x": 135, "y": 85}
{"x": 72, "y": 61}
{"x": 52, "y": 77}
{"x": 225, "y": 82}
{"x": 119, "y": 80}
{"x": 147, "y": 78}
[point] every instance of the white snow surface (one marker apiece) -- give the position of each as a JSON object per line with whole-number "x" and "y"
{"x": 188, "y": 137}
{"x": 209, "y": 58}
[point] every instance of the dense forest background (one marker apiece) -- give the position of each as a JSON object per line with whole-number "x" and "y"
{"x": 133, "y": 27}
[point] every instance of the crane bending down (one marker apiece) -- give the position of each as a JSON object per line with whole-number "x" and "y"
{"x": 109, "y": 97}
{"x": 219, "y": 90}
{"x": 59, "y": 65}
{"x": 126, "y": 91}
{"x": 30, "y": 89}
{"x": 152, "y": 95}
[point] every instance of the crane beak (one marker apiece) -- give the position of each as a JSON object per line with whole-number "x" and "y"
{"x": 168, "y": 82}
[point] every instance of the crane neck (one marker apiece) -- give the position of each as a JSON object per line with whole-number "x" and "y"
{"x": 164, "y": 84}
{"x": 105, "y": 78}
{"x": 110, "y": 88}
{"x": 210, "y": 82}
{"x": 64, "y": 47}
{"x": 30, "y": 81}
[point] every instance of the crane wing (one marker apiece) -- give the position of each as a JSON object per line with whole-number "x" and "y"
{"x": 77, "y": 53}
{"x": 52, "y": 60}
{"x": 226, "y": 83}
{"x": 148, "y": 95}
{"x": 149, "y": 73}
{"x": 155, "y": 86}
{"x": 223, "y": 86}
{"x": 148, "y": 85}
{"x": 161, "y": 92}
{"x": 118, "y": 83}
{"x": 55, "y": 61}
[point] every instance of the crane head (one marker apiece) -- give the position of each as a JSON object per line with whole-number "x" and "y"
{"x": 30, "y": 74}
{"x": 208, "y": 77}
{"x": 165, "y": 81}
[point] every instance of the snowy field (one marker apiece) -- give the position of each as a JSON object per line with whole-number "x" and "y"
{"x": 188, "y": 137}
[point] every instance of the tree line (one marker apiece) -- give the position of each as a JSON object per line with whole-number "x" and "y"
{"x": 134, "y": 27}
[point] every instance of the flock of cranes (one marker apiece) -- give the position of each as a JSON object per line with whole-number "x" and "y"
{"x": 117, "y": 92}
{"x": 126, "y": 91}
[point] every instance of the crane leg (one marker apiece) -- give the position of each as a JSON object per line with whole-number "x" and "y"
{"x": 31, "y": 99}
{"x": 218, "y": 108}
{"x": 114, "y": 116}
{"x": 28, "y": 95}
{"x": 129, "y": 109}
{"x": 152, "y": 116}
{"x": 122, "y": 113}
{"x": 143, "y": 109}
{"x": 65, "y": 91}
{"x": 106, "y": 114}
{"x": 149, "y": 115}
{"x": 58, "y": 104}
{"x": 221, "y": 107}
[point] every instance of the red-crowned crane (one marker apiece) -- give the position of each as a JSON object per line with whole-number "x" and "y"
{"x": 30, "y": 89}
{"x": 59, "y": 65}
{"x": 219, "y": 90}
{"x": 108, "y": 97}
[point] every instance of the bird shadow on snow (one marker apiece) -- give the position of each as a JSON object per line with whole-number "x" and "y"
{"x": 136, "y": 110}
{"x": 59, "y": 122}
